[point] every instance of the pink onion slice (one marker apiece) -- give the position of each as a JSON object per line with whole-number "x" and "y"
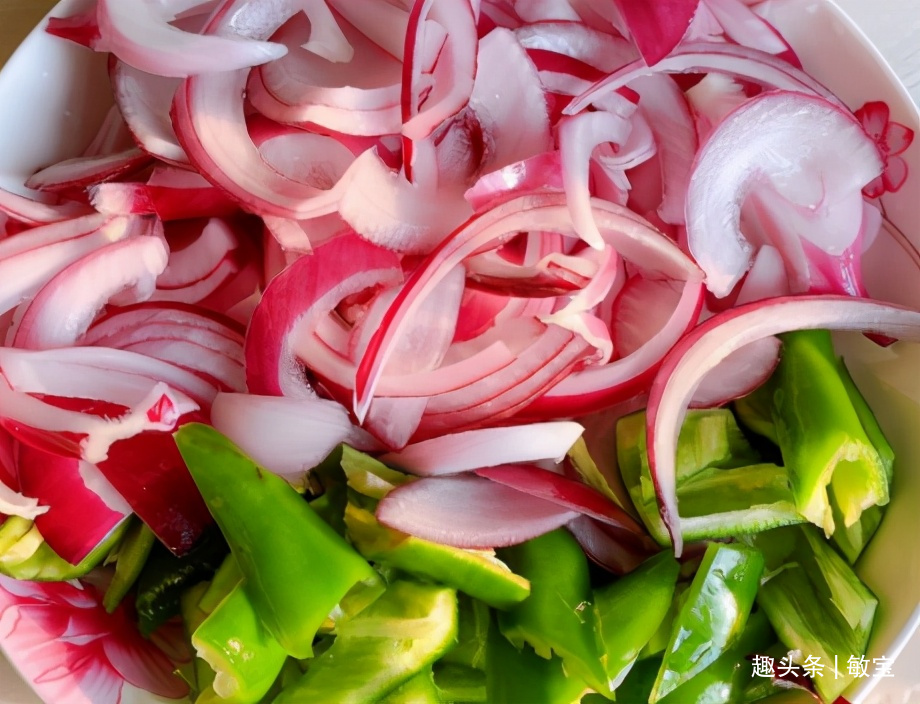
{"x": 467, "y": 511}
{"x": 84, "y": 171}
{"x": 287, "y": 436}
{"x": 30, "y": 259}
{"x": 834, "y": 159}
{"x": 471, "y": 449}
{"x": 84, "y": 507}
{"x": 144, "y": 100}
{"x": 657, "y": 27}
{"x": 706, "y": 57}
{"x": 633, "y": 239}
{"x": 32, "y": 212}
{"x": 66, "y": 306}
{"x": 740, "y": 373}
{"x": 383, "y": 23}
{"x": 615, "y": 550}
{"x": 568, "y": 493}
{"x": 310, "y": 287}
{"x": 707, "y": 345}
{"x": 140, "y": 34}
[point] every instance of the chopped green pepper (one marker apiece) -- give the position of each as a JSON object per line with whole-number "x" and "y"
{"x": 630, "y": 610}
{"x": 473, "y": 619}
{"x": 293, "y": 582}
{"x": 420, "y": 689}
{"x": 131, "y": 554}
{"x": 395, "y": 638}
{"x": 713, "y": 616}
{"x": 370, "y": 477}
{"x": 718, "y": 494}
{"x": 514, "y": 676}
{"x": 475, "y": 572}
{"x": 459, "y": 683}
{"x": 557, "y": 616}
{"x": 25, "y": 555}
{"x": 246, "y": 659}
{"x": 822, "y": 435}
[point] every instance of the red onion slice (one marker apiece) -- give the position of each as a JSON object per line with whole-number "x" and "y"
{"x": 88, "y": 170}
{"x": 615, "y": 550}
{"x": 285, "y": 435}
{"x": 84, "y": 507}
{"x": 706, "y": 57}
{"x": 65, "y": 306}
{"x": 30, "y": 259}
{"x": 834, "y": 159}
{"x": 464, "y": 451}
{"x": 707, "y": 345}
{"x": 140, "y": 34}
{"x": 467, "y": 511}
{"x": 32, "y": 212}
{"x": 568, "y": 493}
{"x": 657, "y": 27}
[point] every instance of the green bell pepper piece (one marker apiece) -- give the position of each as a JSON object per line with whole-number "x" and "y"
{"x": 591, "y": 474}
{"x": 514, "y": 676}
{"x": 25, "y": 555}
{"x": 420, "y": 689}
{"x": 557, "y": 617}
{"x": 630, "y": 610}
{"x": 727, "y": 678}
{"x": 246, "y": 659}
{"x": 459, "y": 683}
{"x": 718, "y": 494}
{"x": 130, "y": 556}
{"x": 713, "y": 616}
{"x": 475, "y": 572}
{"x": 816, "y": 603}
{"x": 395, "y": 638}
{"x": 473, "y": 620}
{"x": 370, "y": 477}
{"x": 822, "y": 436}
{"x": 296, "y": 567}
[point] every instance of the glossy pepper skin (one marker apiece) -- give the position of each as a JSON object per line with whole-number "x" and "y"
{"x": 296, "y": 567}
{"x": 630, "y": 610}
{"x": 246, "y": 659}
{"x": 558, "y": 616}
{"x": 713, "y": 616}
{"x": 821, "y": 435}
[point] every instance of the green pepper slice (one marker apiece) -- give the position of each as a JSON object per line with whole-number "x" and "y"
{"x": 296, "y": 567}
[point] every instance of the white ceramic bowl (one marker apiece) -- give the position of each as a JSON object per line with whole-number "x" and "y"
{"x": 53, "y": 96}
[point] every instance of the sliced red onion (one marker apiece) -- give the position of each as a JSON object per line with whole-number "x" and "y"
{"x": 287, "y": 436}
{"x": 217, "y": 368}
{"x": 707, "y": 345}
{"x": 615, "y": 550}
{"x": 85, "y": 171}
{"x": 144, "y": 100}
{"x": 451, "y": 76}
{"x": 834, "y": 160}
{"x": 643, "y": 307}
{"x": 765, "y": 279}
{"x": 148, "y": 471}
{"x": 599, "y": 387}
{"x": 739, "y": 374}
{"x": 32, "y": 212}
{"x": 140, "y": 34}
{"x": 665, "y": 107}
{"x": 578, "y": 136}
{"x": 30, "y": 259}
{"x": 14, "y": 503}
{"x": 568, "y": 493}
{"x": 360, "y": 97}
{"x": 382, "y": 206}
{"x": 706, "y": 57}
{"x": 538, "y": 174}
{"x": 657, "y": 27}
{"x": 383, "y": 23}
{"x": 166, "y": 195}
{"x": 746, "y": 27}
{"x": 633, "y": 239}
{"x": 461, "y": 452}
{"x": 601, "y": 49}
{"x": 309, "y": 288}
{"x": 152, "y": 316}
{"x": 65, "y": 306}
{"x": 469, "y": 512}
{"x": 84, "y": 507}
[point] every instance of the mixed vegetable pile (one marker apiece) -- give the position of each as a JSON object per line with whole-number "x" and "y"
{"x": 449, "y": 351}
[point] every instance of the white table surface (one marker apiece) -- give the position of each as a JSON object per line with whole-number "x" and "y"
{"x": 894, "y": 27}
